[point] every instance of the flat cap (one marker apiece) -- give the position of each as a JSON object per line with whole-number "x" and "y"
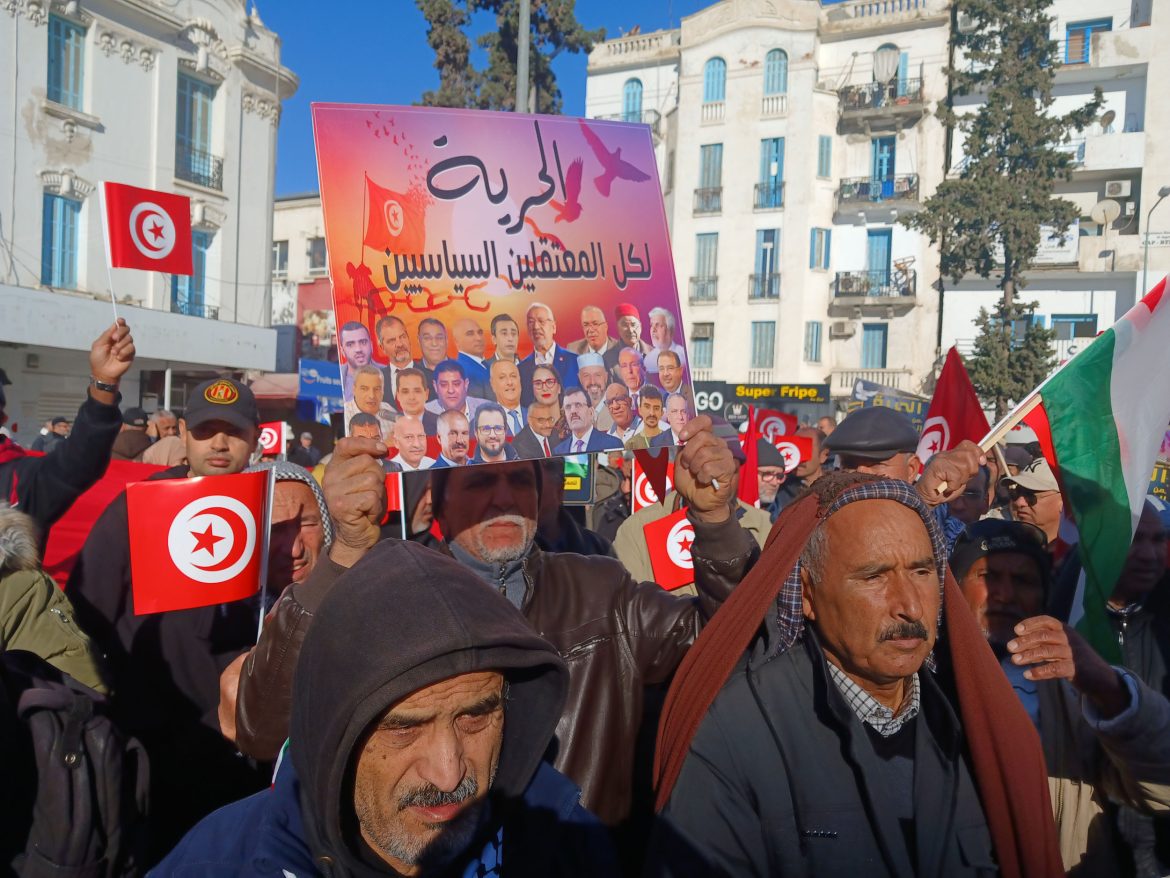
{"x": 876, "y": 433}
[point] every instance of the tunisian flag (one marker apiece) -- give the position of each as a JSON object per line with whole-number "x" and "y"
{"x": 397, "y": 221}
{"x": 768, "y": 425}
{"x": 669, "y": 542}
{"x": 954, "y": 414}
{"x": 196, "y": 542}
{"x": 148, "y": 230}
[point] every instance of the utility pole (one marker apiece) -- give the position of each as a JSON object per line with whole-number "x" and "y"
{"x": 1162, "y": 193}
{"x": 523, "y": 38}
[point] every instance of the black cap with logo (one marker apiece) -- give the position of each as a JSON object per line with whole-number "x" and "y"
{"x": 222, "y": 399}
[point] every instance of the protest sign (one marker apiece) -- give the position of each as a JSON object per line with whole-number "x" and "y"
{"x": 474, "y": 256}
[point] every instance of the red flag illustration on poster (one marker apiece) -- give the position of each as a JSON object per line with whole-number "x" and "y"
{"x": 196, "y": 542}
{"x": 147, "y": 229}
{"x": 669, "y": 543}
{"x": 954, "y": 414}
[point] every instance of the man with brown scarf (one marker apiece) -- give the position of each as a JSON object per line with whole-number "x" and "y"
{"x": 833, "y": 747}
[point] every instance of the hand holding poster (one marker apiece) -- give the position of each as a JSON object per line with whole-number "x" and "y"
{"x": 484, "y": 263}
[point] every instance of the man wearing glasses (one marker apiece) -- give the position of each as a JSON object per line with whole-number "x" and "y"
{"x": 1034, "y": 498}
{"x": 621, "y": 409}
{"x": 579, "y": 416}
{"x": 533, "y": 440}
{"x": 490, "y": 430}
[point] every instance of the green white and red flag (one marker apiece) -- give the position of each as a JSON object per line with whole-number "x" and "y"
{"x": 1100, "y": 421}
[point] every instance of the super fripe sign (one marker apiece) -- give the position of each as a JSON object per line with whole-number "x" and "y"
{"x": 475, "y": 257}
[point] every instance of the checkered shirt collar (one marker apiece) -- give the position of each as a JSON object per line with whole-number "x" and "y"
{"x": 880, "y": 718}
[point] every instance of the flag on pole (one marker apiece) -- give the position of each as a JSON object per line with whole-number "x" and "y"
{"x": 669, "y": 542}
{"x": 147, "y": 229}
{"x": 954, "y": 414}
{"x": 1101, "y": 418}
{"x": 272, "y": 437}
{"x": 196, "y": 542}
{"x": 771, "y": 426}
{"x": 652, "y": 477}
{"x": 794, "y": 449}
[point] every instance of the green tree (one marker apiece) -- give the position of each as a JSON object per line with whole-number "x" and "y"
{"x": 1011, "y": 355}
{"x": 990, "y": 218}
{"x": 554, "y": 29}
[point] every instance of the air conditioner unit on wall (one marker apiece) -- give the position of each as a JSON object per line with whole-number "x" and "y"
{"x": 1118, "y": 188}
{"x": 842, "y": 329}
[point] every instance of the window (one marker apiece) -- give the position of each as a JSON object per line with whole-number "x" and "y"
{"x": 1078, "y": 39}
{"x": 873, "y": 345}
{"x": 812, "y": 341}
{"x": 193, "y": 159}
{"x": 763, "y": 344}
{"x": 66, "y": 62}
{"x": 765, "y": 283}
{"x": 714, "y": 81}
{"x": 188, "y": 293}
{"x": 818, "y": 248}
{"x": 279, "y": 258}
{"x": 669, "y": 185}
{"x": 824, "y": 156}
{"x": 709, "y": 195}
{"x": 316, "y": 254}
{"x": 1070, "y": 326}
{"x": 776, "y": 72}
{"x": 770, "y": 188}
{"x": 632, "y": 101}
{"x": 702, "y": 345}
{"x": 61, "y": 217}
{"x": 703, "y": 284}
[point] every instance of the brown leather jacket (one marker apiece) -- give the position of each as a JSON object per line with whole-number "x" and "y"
{"x": 615, "y": 634}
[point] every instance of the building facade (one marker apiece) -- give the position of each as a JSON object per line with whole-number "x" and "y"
{"x": 181, "y": 97}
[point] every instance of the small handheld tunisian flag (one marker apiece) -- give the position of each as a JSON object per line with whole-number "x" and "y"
{"x": 272, "y": 437}
{"x": 148, "y": 230}
{"x": 770, "y": 426}
{"x": 196, "y": 542}
{"x": 642, "y": 492}
{"x": 794, "y": 450}
{"x": 669, "y": 542}
{"x": 954, "y": 414}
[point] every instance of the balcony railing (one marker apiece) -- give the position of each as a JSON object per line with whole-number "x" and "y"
{"x": 711, "y": 112}
{"x": 764, "y": 286}
{"x": 709, "y": 200}
{"x": 879, "y": 95}
{"x": 869, "y": 190}
{"x": 876, "y": 284}
{"x": 196, "y": 166}
{"x": 769, "y": 196}
{"x": 844, "y": 379}
{"x": 704, "y": 289}
{"x": 645, "y": 117}
{"x": 182, "y": 305}
{"x": 774, "y": 106}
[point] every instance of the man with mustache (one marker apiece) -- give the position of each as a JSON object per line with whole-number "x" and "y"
{"x": 583, "y": 438}
{"x": 416, "y": 749}
{"x": 1106, "y": 734}
{"x": 491, "y": 445}
{"x": 454, "y": 439}
{"x": 394, "y": 341}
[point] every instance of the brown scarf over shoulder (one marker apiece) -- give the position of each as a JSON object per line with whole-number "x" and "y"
{"x": 1006, "y": 758}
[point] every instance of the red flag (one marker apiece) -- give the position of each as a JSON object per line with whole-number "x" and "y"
{"x": 794, "y": 449}
{"x": 954, "y": 414}
{"x": 393, "y": 492}
{"x": 749, "y": 485}
{"x": 196, "y": 542}
{"x": 148, "y": 230}
{"x": 397, "y": 220}
{"x": 642, "y": 492}
{"x": 654, "y": 465}
{"x": 669, "y": 542}
{"x": 272, "y": 437}
{"x": 771, "y": 424}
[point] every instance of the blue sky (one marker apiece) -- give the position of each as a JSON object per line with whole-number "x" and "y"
{"x": 337, "y": 59}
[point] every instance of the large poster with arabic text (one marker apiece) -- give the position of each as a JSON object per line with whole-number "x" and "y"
{"x": 502, "y": 283}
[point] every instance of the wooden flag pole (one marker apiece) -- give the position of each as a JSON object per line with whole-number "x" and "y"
{"x": 991, "y": 441}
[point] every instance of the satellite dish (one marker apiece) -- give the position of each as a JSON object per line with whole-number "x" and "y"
{"x": 1107, "y": 119}
{"x": 1105, "y": 212}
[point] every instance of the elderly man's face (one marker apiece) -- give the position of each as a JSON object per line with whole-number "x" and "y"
{"x": 592, "y": 379}
{"x": 630, "y": 330}
{"x": 669, "y": 372}
{"x": 412, "y": 395}
{"x": 660, "y": 332}
{"x": 395, "y": 343}
{"x": 651, "y": 411}
{"x": 297, "y": 535}
{"x": 770, "y": 480}
{"x": 424, "y": 770}
{"x": 451, "y": 389}
{"x": 621, "y": 409}
{"x": 507, "y": 339}
{"x": 505, "y": 381}
{"x": 542, "y": 419}
{"x": 971, "y": 505}
{"x": 432, "y": 340}
{"x": 355, "y": 344}
{"x": 411, "y": 439}
{"x": 1003, "y": 590}
{"x": 875, "y": 601}
{"x": 455, "y": 438}
{"x": 542, "y": 328}
{"x": 594, "y": 327}
{"x": 578, "y": 414}
{"x": 903, "y": 466}
{"x": 366, "y": 431}
{"x": 489, "y": 433}
{"x": 166, "y": 427}
{"x": 367, "y": 393}
{"x": 676, "y": 413}
{"x": 631, "y": 369}
{"x": 1041, "y": 508}
{"x": 490, "y": 511}
{"x": 469, "y": 337}
{"x": 1146, "y": 562}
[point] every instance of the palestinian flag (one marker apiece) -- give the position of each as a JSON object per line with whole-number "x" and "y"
{"x": 1100, "y": 421}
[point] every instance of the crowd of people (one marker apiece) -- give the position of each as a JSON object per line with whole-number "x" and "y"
{"x": 871, "y": 674}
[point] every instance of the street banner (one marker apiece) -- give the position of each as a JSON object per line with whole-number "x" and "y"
{"x": 272, "y": 438}
{"x": 954, "y": 414}
{"x": 481, "y": 253}
{"x": 196, "y": 542}
{"x": 642, "y": 491}
{"x": 669, "y": 543}
{"x": 147, "y": 230}
{"x": 868, "y": 394}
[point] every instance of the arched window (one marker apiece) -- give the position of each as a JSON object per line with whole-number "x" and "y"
{"x": 632, "y": 101}
{"x": 776, "y": 72}
{"x": 714, "y": 81}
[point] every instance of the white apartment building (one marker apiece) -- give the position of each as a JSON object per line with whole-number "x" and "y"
{"x": 298, "y": 251}
{"x": 798, "y": 133}
{"x": 182, "y": 96}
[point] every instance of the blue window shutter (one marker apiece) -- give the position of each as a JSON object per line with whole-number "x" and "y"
{"x": 812, "y": 248}
{"x": 48, "y": 229}
{"x": 828, "y": 244}
{"x": 903, "y": 72}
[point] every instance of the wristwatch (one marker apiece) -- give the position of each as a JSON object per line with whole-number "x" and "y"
{"x": 101, "y": 385}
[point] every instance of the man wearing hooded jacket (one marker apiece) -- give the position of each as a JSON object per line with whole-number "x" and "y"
{"x": 419, "y": 720}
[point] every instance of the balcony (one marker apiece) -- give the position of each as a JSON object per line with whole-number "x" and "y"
{"x": 704, "y": 289}
{"x": 646, "y": 117}
{"x": 709, "y": 200}
{"x": 876, "y": 200}
{"x": 895, "y": 104}
{"x": 768, "y": 196}
{"x": 196, "y": 166}
{"x": 760, "y": 376}
{"x": 180, "y": 304}
{"x": 764, "y": 286}
{"x": 844, "y": 379}
{"x": 711, "y": 113}
{"x": 774, "y": 107}
{"x": 702, "y": 374}
{"x": 857, "y": 17}
{"x": 874, "y": 293}
{"x": 1102, "y": 153}
{"x": 1120, "y": 52}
